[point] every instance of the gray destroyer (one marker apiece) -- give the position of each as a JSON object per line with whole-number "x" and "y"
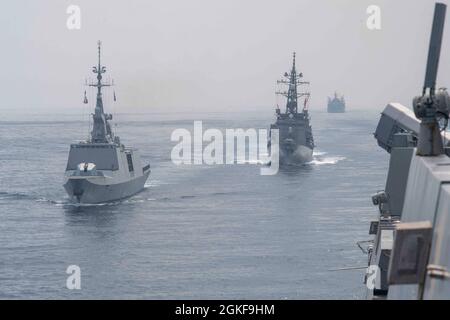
{"x": 102, "y": 169}
{"x": 409, "y": 256}
{"x": 296, "y": 141}
{"x": 336, "y": 104}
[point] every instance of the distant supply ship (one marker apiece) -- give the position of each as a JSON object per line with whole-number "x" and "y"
{"x": 336, "y": 104}
{"x": 296, "y": 141}
{"x": 102, "y": 169}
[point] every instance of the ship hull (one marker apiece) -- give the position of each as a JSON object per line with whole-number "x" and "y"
{"x": 336, "y": 106}
{"x": 336, "y": 109}
{"x": 89, "y": 192}
{"x": 299, "y": 155}
{"x": 296, "y": 142}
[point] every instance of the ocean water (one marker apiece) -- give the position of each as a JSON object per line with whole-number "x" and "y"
{"x": 206, "y": 232}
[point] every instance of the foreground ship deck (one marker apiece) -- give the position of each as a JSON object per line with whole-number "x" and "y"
{"x": 102, "y": 169}
{"x": 409, "y": 252}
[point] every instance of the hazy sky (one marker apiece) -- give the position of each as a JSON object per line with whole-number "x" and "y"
{"x": 197, "y": 55}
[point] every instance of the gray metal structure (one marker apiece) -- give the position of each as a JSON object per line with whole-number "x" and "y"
{"x": 336, "y": 104}
{"x": 102, "y": 169}
{"x": 411, "y": 245}
{"x": 296, "y": 141}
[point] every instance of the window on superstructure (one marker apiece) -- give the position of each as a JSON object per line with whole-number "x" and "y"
{"x": 130, "y": 162}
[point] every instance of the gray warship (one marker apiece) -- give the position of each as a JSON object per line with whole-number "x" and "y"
{"x": 102, "y": 169}
{"x": 336, "y": 104}
{"x": 409, "y": 255}
{"x": 296, "y": 141}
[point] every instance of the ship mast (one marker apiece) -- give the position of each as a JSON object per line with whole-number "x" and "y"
{"x": 291, "y": 104}
{"x": 293, "y": 80}
{"x": 101, "y": 131}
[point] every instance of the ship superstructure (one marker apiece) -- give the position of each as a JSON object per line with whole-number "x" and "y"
{"x": 102, "y": 169}
{"x": 296, "y": 141}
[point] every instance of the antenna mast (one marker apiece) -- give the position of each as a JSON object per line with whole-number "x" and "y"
{"x": 432, "y": 104}
{"x": 293, "y": 81}
{"x": 101, "y": 131}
